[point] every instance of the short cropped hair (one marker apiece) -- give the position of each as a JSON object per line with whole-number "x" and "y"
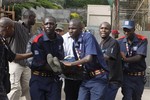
{"x": 49, "y": 17}
{"x": 28, "y": 13}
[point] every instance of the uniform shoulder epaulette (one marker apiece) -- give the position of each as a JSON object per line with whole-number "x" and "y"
{"x": 141, "y": 37}
{"x": 35, "y": 40}
{"x": 122, "y": 37}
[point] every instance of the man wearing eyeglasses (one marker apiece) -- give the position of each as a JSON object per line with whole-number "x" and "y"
{"x": 133, "y": 51}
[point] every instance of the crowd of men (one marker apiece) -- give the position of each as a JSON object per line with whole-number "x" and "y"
{"x": 91, "y": 70}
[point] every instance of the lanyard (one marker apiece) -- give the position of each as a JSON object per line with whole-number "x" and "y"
{"x": 76, "y": 53}
{"x": 129, "y": 51}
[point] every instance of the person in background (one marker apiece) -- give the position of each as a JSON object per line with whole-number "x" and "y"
{"x": 115, "y": 34}
{"x": 6, "y": 31}
{"x": 133, "y": 51}
{"x": 59, "y": 29}
{"x": 39, "y": 30}
{"x": 44, "y": 83}
{"x": 111, "y": 51}
{"x": 19, "y": 71}
{"x": 71, "y": 86}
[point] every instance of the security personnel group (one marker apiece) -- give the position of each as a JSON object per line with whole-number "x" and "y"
{"x": 104, "y": 67}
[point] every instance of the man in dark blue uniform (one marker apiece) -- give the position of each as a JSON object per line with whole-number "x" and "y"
{"x": 111, "y": 51}
{"x": 133, "y": 51}
{"x": 88, "y": 56}
{"x": 44, "y": 83}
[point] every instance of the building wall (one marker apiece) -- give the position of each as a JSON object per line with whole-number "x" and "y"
{"x": 0, "y": 3}
{"x": 96, "y": 14}
{"x": 148, "y": 25}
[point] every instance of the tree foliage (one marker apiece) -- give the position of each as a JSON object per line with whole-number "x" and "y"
{"x": 59, "y": 2}
{"x": 48, "y": 4}
{"x": 44, "y": 3}
{"x": 84, "y": 3}
{"x": 75, "y": 15}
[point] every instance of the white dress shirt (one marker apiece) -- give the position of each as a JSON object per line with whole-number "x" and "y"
{"x": 68, "y": 43}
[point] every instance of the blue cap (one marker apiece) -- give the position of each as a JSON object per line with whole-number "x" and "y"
{"x": 128, "y": 24}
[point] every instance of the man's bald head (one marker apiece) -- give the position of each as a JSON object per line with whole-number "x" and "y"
{"x": 6, "y": 27}
{"x": 6, "y": 22}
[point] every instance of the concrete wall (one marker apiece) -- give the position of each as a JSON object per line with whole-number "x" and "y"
{"x": 61, "y": 15}
{"x": 0, "y": 3}
{"x": 97, "y": 14}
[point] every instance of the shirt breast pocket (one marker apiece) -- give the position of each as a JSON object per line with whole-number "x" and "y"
{"x": 60, "y": 52}
{"x": 38, "y": 59}
{"x": 134, "y": 49}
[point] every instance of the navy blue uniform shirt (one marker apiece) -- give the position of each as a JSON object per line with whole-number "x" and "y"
{"x": 42, "y": 46}
{"x": 138, "y": 47}
{"x": 87, "y": 45}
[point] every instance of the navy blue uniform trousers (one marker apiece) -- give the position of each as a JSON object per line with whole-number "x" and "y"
{"x": 94, "y": 88}
{"x": 45, "y": 88}
{"x": 133, "y": 87}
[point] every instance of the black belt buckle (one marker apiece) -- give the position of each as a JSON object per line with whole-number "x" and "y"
{"x": 43, "y": 74}
{"x": 96, "y": 72}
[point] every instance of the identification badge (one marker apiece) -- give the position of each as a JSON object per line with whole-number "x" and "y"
{"x": 36, "y": 52}
{"x": 135, "y": 48}
{"x": 60, "y": 47}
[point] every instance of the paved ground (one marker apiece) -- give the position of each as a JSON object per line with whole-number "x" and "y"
{"x": 119, "y": 95}
{"x": 144, "y": 97}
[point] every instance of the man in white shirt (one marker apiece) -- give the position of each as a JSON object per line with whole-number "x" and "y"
{"x": 71, "y": 86}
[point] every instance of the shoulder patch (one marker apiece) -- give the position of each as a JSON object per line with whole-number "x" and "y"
{"x": 35, "y": 40}
{"x": 122, "y": 37}
{"x": 141, "y": 37}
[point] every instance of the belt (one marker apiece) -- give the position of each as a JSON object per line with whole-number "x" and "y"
{"x": 44, "y": 74}
{"x": 136, "y": 73}
{"x": 96, "y": 72}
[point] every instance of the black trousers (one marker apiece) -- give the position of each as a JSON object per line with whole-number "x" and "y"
{"x": 3, "y": 94}
{"x": 71, "y": 89}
